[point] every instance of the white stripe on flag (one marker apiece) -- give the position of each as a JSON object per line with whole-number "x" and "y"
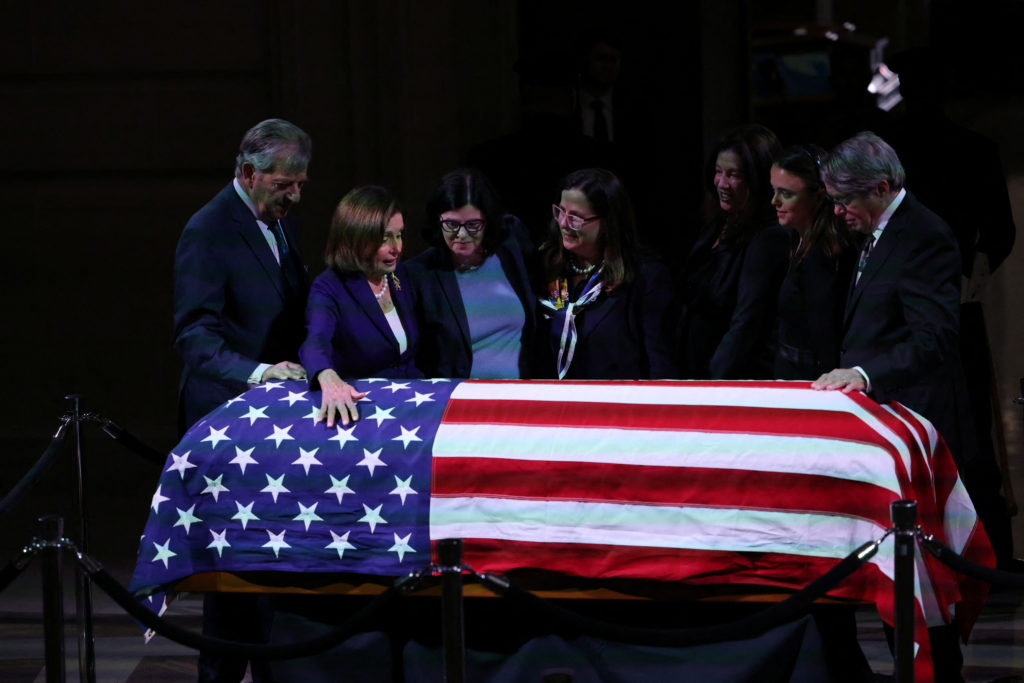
{"x": 665, "y": 448}
{"x": 654, "y": 526}
{"x": 786, "y": 396}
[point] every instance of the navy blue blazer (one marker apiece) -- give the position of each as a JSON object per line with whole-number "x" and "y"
{"x": 901, "y": 323}
{"x": 622, "y": 335}
{"x": 346, "y": 330}
{"x": 445, "y": 344}
{"x": 232, "y": 308}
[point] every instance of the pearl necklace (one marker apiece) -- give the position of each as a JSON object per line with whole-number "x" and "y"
{"x": 379, "y": 295}
{"x": 577, "y": 269}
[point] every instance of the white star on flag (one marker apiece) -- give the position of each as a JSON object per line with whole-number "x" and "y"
{"x": 435, "y": 380}
{"x": 236, "y": 399}
{"x": 344, "y": 436}
{"x": 407, "y": 436}
{"x": 268, "y": 386}
{"x": 243, "y": 458}
{"x": 307, "y": 515}
{"x": 403, "y": 488}
{"x": 401, "y": 546}
{"x": 372, "y": 517}
{"x": 307, "y": 459}
{"x": 219, "y": 542}
{"x": 255, "y": 414}
{"x": 157, "y": 499}
{"x": 339, "y": 487}
{"x": 340, "y": 543}
{"x": 371, "y": 460}
{"x": 396, "y": 386}
{"x": 244, "y": 513}
{"x": 216, "y": 436}
{"x": 181, "y": 464}
{"x": 213, "y": 486}
{"x": 163, "y": 552}
{"x": 381, "y": 415}
{"x": 274, "y": 486}
{"x": 280, "y": 435}
{"x": 293, "y": 397}
{"x": 276, "y": 541}
{"x": 186, "y": 518}
{"x": 419, "y": 398}
{"x": 314, "y": 414}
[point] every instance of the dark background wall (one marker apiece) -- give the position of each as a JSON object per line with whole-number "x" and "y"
{"x": 120, "y": 119}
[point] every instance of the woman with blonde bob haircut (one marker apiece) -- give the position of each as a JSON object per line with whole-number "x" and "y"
{"x": 360, "y": 319}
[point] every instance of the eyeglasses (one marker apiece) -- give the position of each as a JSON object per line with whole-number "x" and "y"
{"x": 472, "y": 227}
{"x": 572, "y": 221}
{"x": 843, "y": 200}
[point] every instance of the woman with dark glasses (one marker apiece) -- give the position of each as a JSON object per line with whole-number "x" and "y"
{"x": 605, "y": 308}
{"x": 475, "y": 307}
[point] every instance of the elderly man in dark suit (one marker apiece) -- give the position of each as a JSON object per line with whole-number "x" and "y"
{"x": 239, "y": 299}
{"x": 900, "y": 329}
{"x": 901, "y": 325}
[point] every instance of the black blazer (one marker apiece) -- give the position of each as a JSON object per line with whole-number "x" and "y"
{"x": 812, "y": 300}
{"x": 729, "y": 298}
{"x": 232, "y": 309}
{"x": 622, "y": 335}
{"x": 902, "y": 320}
{"x": 445, "y": 348}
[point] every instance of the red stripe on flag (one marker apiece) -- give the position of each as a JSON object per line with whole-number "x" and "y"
{"x": 700, "y": 418}
{"x": 644, "y": 484}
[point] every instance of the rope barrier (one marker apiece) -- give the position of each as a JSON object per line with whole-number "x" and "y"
{"x": 961, "y": 564}
{"x": 191, "y": 639}
{"x": 747, "y": 627}
{"x": 127, "y": 439}
{"x": 14, "y": 568}
{"x": 35, "y": 473}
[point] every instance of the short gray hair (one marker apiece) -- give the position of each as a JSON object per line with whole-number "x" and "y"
{"x": 272, "y": 141}
{"x": 857, "y": 165}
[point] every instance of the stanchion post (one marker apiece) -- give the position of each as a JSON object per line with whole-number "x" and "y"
{"x": 904, "y": 519}
{"x": 449, "y": 552}
{"x": 83, "y": 587}
{"x": 51, "y": 530}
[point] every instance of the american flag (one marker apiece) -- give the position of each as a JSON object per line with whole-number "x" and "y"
{"x": 258, "y": 484}
{"x": 763, "y": 483}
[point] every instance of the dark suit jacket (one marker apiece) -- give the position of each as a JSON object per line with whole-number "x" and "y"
{"x": 622, "y": 335}
{"x": 729, "y": 297}
{"x": 232, "y": 310}
{"x": 445, "y": 343}
{"x": 902, "y": 319}
{"x": 347, "y": 331}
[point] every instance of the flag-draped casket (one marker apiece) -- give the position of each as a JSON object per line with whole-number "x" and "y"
{"x": 761, "y": 483}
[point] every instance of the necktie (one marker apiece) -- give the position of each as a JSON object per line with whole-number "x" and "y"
{"x": 864, "y": 253}
{"x": 288, "y": 275}
{"x": 600, "y": 122}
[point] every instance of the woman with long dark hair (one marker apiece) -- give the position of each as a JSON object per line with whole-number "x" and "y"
{"x": 732, "y": 275}
{"x": 604, "y": 311}
{"x": 813, "y": 294}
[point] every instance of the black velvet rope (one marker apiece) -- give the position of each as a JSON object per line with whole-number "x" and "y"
{"x": 35, "y": 473}
{"x": 131, "y": 442}
{"x": 747, "y": 627}
{"x": 11, "y": 572}
{"x": 959, "y": 563}
{"x": 191, "y": 639}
